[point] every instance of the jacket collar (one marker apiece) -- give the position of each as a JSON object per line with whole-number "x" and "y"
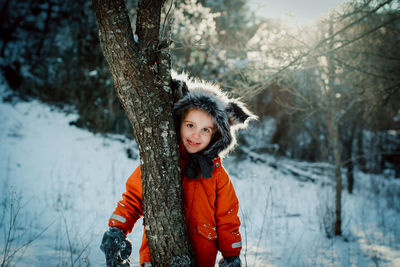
{"x": 196, "y": 165}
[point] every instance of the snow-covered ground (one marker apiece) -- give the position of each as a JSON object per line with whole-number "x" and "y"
{"x": 65, "y": 182}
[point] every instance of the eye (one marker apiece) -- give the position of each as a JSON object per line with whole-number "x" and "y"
{"x": 189, "y": 125}
{"x": 206, "y": 130}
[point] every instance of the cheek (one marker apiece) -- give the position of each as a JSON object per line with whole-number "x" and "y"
{"x": 183, "y": 132}
{"x": 207, "y": 139}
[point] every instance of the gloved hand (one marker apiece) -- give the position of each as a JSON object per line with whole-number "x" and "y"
{"x": 117, "y": 248}
{"x": 230, "y": 262}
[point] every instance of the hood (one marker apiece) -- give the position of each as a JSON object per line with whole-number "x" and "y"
{"x": 227, "y": 114}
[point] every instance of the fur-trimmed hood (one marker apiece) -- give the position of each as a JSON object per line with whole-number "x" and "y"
{"x": 228, "y": 114}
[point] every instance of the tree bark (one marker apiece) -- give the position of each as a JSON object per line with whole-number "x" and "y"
{"x": 141, "y": 74}
{"x": 334, "y": 136}
{"x": 350, "y": 176}
{"x": 338, "y": 176}
{"x": 361, "y": 162}
{"x": 348, "y": 154}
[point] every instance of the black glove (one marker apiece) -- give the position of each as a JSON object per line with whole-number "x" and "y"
{"x": 117, "y": 248}
{"x": 230, "y": 262}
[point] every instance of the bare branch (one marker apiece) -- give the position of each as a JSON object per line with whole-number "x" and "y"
{"x": 166, "y": 18}
{"x": 361, "y": 35}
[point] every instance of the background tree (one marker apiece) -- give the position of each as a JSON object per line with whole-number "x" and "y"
{"x": 51, "y": 52}
{"x": 140, "y": 66}
{"x": 195, "y": 45}
{"x": 334, "y": 83}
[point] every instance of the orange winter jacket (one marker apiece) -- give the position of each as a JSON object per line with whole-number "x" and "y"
{"x": 210, "y": 207}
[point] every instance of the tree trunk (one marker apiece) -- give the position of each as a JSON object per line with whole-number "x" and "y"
{"x": 350, "y": 176}
{"x": 338, "y": 175}
{"x": 348, "y": 153}
{"x": 360, "y": 151}
{"x": 334, "y": 136}
{"x": 347, "y": 141}
{"x": 141, "y": 74}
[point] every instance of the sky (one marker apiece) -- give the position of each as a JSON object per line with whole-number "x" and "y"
{"x": 304, "y": 11}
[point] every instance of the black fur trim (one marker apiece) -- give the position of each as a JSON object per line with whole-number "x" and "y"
{"x": 179, "y": 89}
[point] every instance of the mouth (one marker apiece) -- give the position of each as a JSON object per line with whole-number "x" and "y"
{"x": 192, "y": 144}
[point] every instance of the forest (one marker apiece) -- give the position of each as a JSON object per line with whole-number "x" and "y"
{"x": 326, "y": 94}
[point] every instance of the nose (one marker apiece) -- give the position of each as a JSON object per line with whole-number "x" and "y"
{"x": 196, "y": 135}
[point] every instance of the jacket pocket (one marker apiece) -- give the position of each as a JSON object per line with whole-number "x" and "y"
{"x": 207, "y": 231}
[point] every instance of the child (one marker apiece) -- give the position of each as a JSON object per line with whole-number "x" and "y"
{"x": 205, "y": 120}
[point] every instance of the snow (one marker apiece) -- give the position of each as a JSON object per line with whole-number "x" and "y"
{"x": 70, "y": 180}
{"x": 93, "y": 73}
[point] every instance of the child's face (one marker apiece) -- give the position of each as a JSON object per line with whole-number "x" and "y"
{"x": 196, "y": 130}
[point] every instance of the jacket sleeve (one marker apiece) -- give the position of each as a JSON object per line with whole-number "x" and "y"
{"x": 228, "y": 223}
{"x": 130, "y": 208}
